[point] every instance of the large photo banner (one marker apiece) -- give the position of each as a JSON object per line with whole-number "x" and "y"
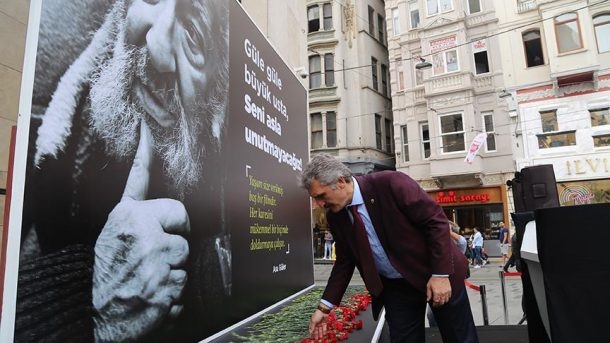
{"x": 159, "y": 189}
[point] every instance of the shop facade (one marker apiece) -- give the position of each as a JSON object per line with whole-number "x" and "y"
{"x": 483, "y": 207}
{"x": 581, "y": 179}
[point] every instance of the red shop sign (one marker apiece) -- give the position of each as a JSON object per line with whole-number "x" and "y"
{"x": 452, "y": 197}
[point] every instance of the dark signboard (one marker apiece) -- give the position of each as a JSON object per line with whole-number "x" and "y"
{"x": 160, "y": 197}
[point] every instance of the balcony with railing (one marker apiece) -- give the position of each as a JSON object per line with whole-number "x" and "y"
{"x": 483, "y": 84}
{"x": 526, "y": 5}
{"x": 481, "y": 18}
{"x": 321, "y": 37}
{"x": 448, "y": 83}
{"x": 323, "y": 94}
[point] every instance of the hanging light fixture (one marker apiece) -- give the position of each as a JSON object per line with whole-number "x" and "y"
{"x": 423, "y": 64}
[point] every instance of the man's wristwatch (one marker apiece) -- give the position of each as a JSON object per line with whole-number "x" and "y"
{"x": 323, "y": 308}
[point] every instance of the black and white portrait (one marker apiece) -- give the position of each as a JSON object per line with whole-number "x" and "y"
{"x": 124, "y": 235}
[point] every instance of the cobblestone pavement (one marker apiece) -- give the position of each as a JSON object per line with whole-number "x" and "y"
{"x": 488, "y": 275}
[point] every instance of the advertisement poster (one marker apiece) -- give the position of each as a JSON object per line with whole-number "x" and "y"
{"x": 160, "y": 199}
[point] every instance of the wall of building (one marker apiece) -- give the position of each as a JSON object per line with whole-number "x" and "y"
{"x": 427, "y": 95}
{"x": 353, "y": 96}
{"x": 571, "y": 83}
{"x": 13, "y": 26}
{"x": 285, "y": 26}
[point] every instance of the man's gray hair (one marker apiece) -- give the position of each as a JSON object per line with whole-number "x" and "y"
{"x": 326, "y": 169}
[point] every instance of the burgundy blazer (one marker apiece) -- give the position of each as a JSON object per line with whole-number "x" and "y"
{"x": 412, "y": 229}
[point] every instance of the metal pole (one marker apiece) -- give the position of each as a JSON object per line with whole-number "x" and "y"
{"x": 484, "y": 304}
{"x": 503, "y": 284}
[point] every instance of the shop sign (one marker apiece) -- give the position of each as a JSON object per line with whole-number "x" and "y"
{"x": 578, "y": 167}
{"x": 467, "y": 196}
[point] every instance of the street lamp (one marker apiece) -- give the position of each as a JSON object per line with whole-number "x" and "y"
{"x": 423, "y": 64}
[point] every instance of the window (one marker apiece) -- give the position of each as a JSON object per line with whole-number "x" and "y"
{"x": 433, "y": 6}
{"x": 414, "y": 15}
{"x": 424, "y": 132}
{"x": 371, "y": 21}
{"x": 551, "y": 138}
{"x": 559, "y": 139}
{"x": 315, "y": 71}
{"x": 488, "y": 122}
{"x": 384, "y": 79}
{"x": 445, "y": 62}
{"x": 378, "y": 131}
{"x": 533, "y": 48}
{"x": 395, "y": 22}
{"x": 601, "y": 25}
{"x": 318, "y": 138}
{"x": 452, "y": 133}
{"x": 374, "y": 72}
{"x": 444, "y": 58}
{"x": 329, "y": 70}
{"x": 315, "y": 75}
{"x": 388, "y": 135}
{"x": 419, "y": 77}
{"x": 549, "y": 121}
{"x": 600, "y": 117}
{"x": 474, "y": 6}
{"x": 327, "y": 11}
{"x": 481, "y": 61}
{"x": 404, "y": 139}
{"x": 567, "y": 32}
{"x": 601, "y": 141}
{"x": 380, "y": 28}
{"x": 317, "y": 133}
{"x": 313, "y": 18}
{"x": 400, "y": 75}
{"x": 331, "y": 129}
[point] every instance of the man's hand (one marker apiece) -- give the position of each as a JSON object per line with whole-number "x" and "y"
{"x": 317, "y": 325}
{"x": 138, "y": 277}
{"x": 438, "y": 290}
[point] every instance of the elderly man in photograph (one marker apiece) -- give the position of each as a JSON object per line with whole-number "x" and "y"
{"x": 126, "y": 130}
{"x": 389, "y": 228}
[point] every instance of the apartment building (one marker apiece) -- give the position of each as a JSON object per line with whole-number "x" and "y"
{"x": 556, "y": 61}
{"x": 350, "y": 108}
{"x": 447, "y": 80}
{"x": 349, "y": 89}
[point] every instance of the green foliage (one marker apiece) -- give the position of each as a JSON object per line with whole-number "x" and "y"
{"x": 291, "y": 322}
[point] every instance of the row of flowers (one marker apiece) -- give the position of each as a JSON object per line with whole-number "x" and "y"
{"x": 291, "y": 322}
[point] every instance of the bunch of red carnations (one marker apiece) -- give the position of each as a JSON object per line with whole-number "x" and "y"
{"x": 342, "y": 320}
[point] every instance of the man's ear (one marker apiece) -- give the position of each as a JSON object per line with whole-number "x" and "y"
{"x": 341, "y": 182}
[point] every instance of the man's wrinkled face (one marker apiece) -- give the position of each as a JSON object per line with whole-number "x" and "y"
{"x": 333, "y": 197}
{"x": 166, "y": 68}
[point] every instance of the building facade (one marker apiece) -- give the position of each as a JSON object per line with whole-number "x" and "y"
{"x": 453, "y": 127}
{"x": 350, "y": 109}
{"x": 557, "y": 72}
{"x": 283, "y": 24}
{"x": 349, "y": 89}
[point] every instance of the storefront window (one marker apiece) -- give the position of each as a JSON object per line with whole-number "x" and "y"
{"x": 487, "y": 218}
{"x": 583, "y": 192}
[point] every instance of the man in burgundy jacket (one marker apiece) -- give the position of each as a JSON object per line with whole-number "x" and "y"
{"x": 414, "y": 257}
